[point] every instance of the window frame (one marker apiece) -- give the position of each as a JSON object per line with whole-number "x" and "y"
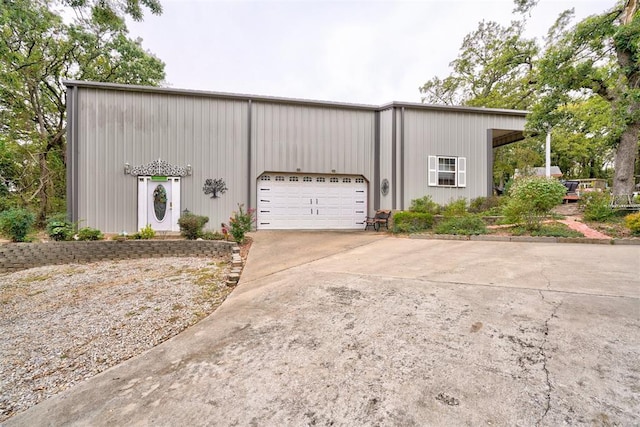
{"x": 459, "y": 172}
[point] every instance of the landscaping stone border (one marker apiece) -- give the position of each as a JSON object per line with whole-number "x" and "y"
{"x": 541, "y": 239}
{"x": 21, "y": 256}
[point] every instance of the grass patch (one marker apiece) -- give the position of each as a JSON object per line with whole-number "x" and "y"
{"x": 614, "y": 227}
{"x": 37, "y": 278}
{"x": 33, "y": 294}
{"x": 555, "y": 229}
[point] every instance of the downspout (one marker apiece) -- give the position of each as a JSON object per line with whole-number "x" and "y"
{"x": 250, "y": 181}
{"x": 376, "y": 163}
{"x": 402, "y": 159}
{"x": 393, "y": 158}
{"x": 72, "y": 153}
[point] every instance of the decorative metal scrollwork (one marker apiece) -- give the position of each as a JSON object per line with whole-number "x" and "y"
{"x": 158, "y": 168}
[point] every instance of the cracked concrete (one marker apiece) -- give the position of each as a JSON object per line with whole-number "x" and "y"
{"x": 367, "y": 329}
{"x": 545, "y": 332}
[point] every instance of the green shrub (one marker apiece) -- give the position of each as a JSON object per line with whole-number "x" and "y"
{"x": 191, "y": 225}
{"x": 596, "y": 206}
{"x": 489, "y": 205}
{"x": 146, "y": 232}
{"x": 632, "y": 221}
{"x": 213, "y": 235}
{"x": 241, "y": 223}
{"x": 465, "y": 225}
{"x": 59, "y": 228}
{"x": 88, "y": 233}
{"x": 412, "y": 222}
{"x": 455, "y": 208}
{"x": 548, "y": 230}
{"x": 531, "y": 200}
{"x": 16, "y": 224}
{"x": 424, "y": 205}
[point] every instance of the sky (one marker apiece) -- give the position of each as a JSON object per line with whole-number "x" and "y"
{"x": 363, "y": 52}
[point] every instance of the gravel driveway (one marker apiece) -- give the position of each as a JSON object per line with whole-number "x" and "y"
{"x": 364, "y": 329}
{"x": 63, "y": 324}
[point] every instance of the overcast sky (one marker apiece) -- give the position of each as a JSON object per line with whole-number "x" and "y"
{"x": 369, "y": 52}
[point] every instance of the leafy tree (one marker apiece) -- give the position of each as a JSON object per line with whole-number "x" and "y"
{"x": 598, "y": 57}
{"x": 582, "y": 145}
{"x": 583, "y": 84}
{"x": 37, "y": 51}
{"x": 494, "y": 69}
{"x": 114, "y": 9}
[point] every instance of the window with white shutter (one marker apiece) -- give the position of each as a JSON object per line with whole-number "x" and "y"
{"x": 447, "y": 171}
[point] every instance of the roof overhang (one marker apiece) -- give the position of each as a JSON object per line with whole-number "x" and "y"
{"x": 504, "y": 137}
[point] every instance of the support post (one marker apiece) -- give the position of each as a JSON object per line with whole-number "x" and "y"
{"x": 547, "y": 155}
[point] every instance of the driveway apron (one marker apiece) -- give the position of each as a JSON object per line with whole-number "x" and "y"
{"x": 329, "y": 328}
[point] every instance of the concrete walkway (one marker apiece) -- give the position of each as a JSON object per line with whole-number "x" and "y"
{"x": 368, "y": 329}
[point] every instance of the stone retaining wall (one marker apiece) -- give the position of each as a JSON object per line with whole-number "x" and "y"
{"x": 20, "y": 256}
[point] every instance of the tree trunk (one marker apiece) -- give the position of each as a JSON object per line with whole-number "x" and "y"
{"x": 45, "y": 188}
{"x": 625, "y": 162}
{"x": 627, "y": 150}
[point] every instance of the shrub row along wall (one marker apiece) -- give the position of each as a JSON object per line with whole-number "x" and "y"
{"x": 20, "y": 256}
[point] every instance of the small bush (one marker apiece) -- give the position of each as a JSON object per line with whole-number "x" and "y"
{"x": 632, "y": 221}
{"x": 412, "y": 222}
{"x": 424, "y": 205}
{"x": 489, "y": 205}
{"x": 465, "y": 225}
{"x": 596, "y": 206}
{"x": 59, "y": 228}
{"x": 241, "y": 223}
{"x": 146, "y": 232}
{"x": 88, "y": 233}
{"x": 191, "y": 225}
{"x": 213, "y": 235}
{"x": 455, "y": 208}
{"x": 16, "y": 224}
{"x": 531, "y": 200}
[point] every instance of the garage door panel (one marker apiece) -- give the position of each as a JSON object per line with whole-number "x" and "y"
{"x": 311, "y": 202}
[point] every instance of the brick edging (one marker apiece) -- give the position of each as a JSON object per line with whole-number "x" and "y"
{"x": 21, "y": 256}
{"x": 541, "y": 239}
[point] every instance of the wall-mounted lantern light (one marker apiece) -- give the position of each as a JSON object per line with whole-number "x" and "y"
{"x": 127, "y": 168}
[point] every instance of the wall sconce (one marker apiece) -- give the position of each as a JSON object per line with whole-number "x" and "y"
{"x": 297, "y": 169}
{"x": 333, "y": 171}
{"x": 127, "y": 168}
{"x": 189, "y": 170}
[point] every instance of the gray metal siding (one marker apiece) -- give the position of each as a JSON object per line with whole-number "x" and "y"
{"x": 310, "y": 139}
{"x": 449, "y": 133}
{"x": 237, "y": 138}
{"x": 118, "y": 127}
{"x": 386, "y": 167}
{"x": 315, "y": 140}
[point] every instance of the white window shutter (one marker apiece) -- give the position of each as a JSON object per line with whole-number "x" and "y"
{"x": 462, "y": 171}
{"x": 433, "y": 171}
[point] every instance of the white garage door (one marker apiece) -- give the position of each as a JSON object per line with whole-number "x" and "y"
{"x": 311, "y": 202}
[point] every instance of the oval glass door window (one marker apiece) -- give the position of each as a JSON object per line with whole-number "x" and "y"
{"x": 160, "y": 202}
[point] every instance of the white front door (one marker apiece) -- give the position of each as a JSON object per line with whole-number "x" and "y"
{"x": 297, "y": 201}
{"x": 159, "y": 203}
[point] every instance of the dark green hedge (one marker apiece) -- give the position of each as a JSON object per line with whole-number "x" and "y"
{"x": 412, "y": 222}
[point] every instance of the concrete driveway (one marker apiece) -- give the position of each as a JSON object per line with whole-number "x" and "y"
{"x": 366, "y": 329}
